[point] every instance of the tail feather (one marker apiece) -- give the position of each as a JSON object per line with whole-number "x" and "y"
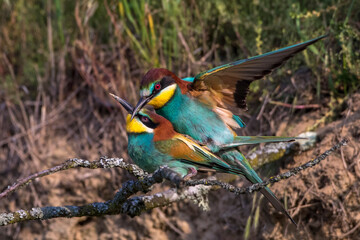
{"x": 251, "y": 175}
{"x": 244, "y": 168}
{"x": 276, "y": 203}
{"x": 246, "y": 140}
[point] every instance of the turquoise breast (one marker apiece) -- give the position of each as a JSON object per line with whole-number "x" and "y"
{"x": 195, "y": 119}
{"x": 142, "y": 151}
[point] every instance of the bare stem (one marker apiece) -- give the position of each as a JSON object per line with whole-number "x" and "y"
{"x": 103, "y": 162}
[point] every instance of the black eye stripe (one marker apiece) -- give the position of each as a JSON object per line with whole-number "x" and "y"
{"x": 164, "y": 82}
{"x": 148, "y": 122}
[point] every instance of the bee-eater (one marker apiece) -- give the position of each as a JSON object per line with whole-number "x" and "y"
{"x": 153, "y": 142}
{"x": 203, "y": 107}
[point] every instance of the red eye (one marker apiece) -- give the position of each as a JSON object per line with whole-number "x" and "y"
{"x": 157, "y": 86}
{"x": 144, "y": 119}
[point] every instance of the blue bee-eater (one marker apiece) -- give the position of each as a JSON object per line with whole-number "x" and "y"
{"x": 203, "y": 107}
{"x": 153, "y": 142}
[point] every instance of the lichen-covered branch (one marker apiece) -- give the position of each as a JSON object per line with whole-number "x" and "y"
{"x": 132, "y": 207}
{"x": 103, "y": 162}
{"x": 94, "y": 209}
{"x": 136, "y": 205}
{"x": 275, "y": 151}
{"x": 196, "y": 190}
{"x": 119, "y": 204}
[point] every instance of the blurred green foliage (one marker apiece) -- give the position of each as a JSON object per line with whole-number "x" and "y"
{"x": 185, "y": 36}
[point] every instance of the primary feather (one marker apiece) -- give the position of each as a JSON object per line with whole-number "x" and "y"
{"x": 232, "y": 80}
{"x": 247, "y": 140}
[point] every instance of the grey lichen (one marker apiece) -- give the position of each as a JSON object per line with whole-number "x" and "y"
{"x": 86, "y": 163}
{"x": 269, "y": 153}
{"x": 76, "y": 162}
{"x": 309, "y": 142}
{"x": 37, "y": 213}
{"x": 198, "y": 195}
{"x": 111, "y": 162}
{"x": 138, "y": 172}
{"x": 22, "y": 214}
{"x": 6, "y": 218}
{"x": 274, "y": 151}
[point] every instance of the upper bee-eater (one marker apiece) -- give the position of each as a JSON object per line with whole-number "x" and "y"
{"x": 153, "y": 142}
{"x": 203, "y": 107}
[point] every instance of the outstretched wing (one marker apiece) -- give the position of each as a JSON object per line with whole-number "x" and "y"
{"x": 229, "y": 83}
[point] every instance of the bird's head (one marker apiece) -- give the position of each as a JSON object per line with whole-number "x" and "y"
{"x": 157, "y": 87}
{"x": 145, "y": 121}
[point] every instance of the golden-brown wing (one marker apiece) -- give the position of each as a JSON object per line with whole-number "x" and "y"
{"x": 229, "y": 83}
{"x": 182, "y": 148}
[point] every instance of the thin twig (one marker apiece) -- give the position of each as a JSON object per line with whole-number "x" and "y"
{"x": 103, "y": 162}
{"x": 294, "y": 106}
{"x": 186, "y": 46}
{"x": 350, "y": 232}
{"x": 263, "y": 107}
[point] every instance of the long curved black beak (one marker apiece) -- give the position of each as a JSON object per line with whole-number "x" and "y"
{"x": 142, "y": 102}
{"x": 124, "y": 103}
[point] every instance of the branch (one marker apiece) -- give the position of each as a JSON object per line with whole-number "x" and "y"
{"x": 103, "y": 162}
{"x": 275, "y": 151}
{"x": 132, "y": 207}
{"x": 294, "y": 106}
{"x": 99, "y": 208}
{"x": 135, "y": 206}
{"x": 198, "y": 194}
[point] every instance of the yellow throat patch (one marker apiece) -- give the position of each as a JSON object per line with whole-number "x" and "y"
{"x": 163, "y": 97}
{"x": 136, "y": 126}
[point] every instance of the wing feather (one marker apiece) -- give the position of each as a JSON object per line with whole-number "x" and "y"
{"x": 184, "y": 149}
{"x": 247, "y": 140}
{"x": 231, "y": 81}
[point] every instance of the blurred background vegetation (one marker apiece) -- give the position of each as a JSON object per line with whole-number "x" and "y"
{"x": 108, "y": 44}
{"x": 59, "y": 58}
{"x": 54, "y": 51}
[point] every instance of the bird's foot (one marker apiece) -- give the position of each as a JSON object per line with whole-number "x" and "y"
{"x": 192, "y": 173}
